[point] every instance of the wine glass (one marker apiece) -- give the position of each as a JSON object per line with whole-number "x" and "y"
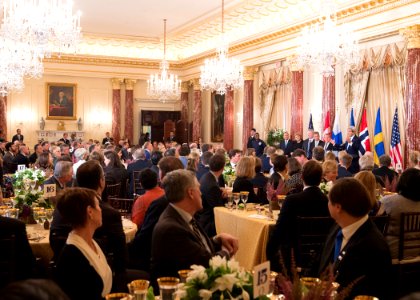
{"x": 39, "y": 215}
{"x": 13, "y": 213}
{"x": 49, "y": 214}
{"x": 236, "y": 198}
{"x": 244, "y": 197}
{"x": 230, "y": 202}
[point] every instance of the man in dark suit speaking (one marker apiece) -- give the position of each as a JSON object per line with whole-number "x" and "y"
{"x": 356, "y": 247}
{"x": 178, "y": 241}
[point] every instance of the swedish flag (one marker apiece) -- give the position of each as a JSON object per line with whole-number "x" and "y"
{"x": 378, "y": 140}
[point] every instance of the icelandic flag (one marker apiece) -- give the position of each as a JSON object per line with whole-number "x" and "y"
{"x": 352, "y": 123}
{"x": 311, "y": 125}
{"x": 336, "y": 134}
{"x": 378, "y": 140}
{"x": 327, "y": 126}
{"x": 364, "y": 134}
{"x": 395, "y": 149}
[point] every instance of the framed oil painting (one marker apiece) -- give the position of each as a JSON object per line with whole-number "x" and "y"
{"x": 217, "y": 117}
{"x": 61, "y": 101}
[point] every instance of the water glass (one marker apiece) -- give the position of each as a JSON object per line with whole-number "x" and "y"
{"x": 167, "y": 286}
{"x": 244, "y": 197}
{"x": 273, "y": 278}
{"x": 230, "y": 202}
{"x": 13, "y": 213}
{"x": 49, "y": 214}
{"x": 236, "y": 198}
{"x": 183, "y": 274}
{"x": 138, "y": 289}
{"x": 117, "y": 296}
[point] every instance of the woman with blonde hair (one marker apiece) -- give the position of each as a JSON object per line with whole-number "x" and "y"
{"x": 329, "y": 170}
{"x": 193, "y": 161}
{"x": 245, "y": 171}
{"x": 369, "y": 181}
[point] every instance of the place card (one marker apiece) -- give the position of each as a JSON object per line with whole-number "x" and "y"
{"x": 50, "y": 190}
{"x": 21, "y": 167}
{"x": 261, "y": 279}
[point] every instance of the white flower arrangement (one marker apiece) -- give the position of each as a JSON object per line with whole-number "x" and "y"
{"x": 326, "y": 187}
{"x": 223, "y": 279}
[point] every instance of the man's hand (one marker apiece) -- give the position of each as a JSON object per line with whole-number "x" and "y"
{"x": 229, "y": 243}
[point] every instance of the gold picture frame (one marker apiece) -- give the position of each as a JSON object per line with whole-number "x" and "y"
{"x": 61, "y": 101}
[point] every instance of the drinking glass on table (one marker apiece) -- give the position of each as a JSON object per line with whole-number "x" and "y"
{"x": 230, "y": 202}
{"x": 167, "y": 286}
{"x": 13, "y": 213}
{"x": 236, "y": 198}
{"x": 39, "y": 215}
{"x": 138, "y": 289}
{"x": 244, "y": 197}
{"x": 49, "y": 214}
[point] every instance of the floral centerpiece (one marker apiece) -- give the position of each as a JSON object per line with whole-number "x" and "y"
{"x": 28, "y": 193}
{"x": 224, "y": 279}
{"x": 326, "y": 187}
{"x": 275, "y": 136}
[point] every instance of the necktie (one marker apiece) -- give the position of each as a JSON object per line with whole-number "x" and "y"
{"x": 285, "y": 143}
{"x": 198, "y": 234}
{"x": 309, "y": 149}
{"x": 338, "y": 243}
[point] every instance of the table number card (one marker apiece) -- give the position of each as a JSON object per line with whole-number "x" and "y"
{"x": 21, "y": 167}
{"x": 261, "y": 279}
{"x": 50, "y": 190}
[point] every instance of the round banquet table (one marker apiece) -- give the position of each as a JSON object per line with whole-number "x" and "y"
{"x": 39, "y": 239}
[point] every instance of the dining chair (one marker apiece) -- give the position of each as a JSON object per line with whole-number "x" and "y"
{"x": 7, "y": 259}
{"x": 113, "y": 190}
{"x": 137, "y": 188}
{"x": 381, "y": 222}
{"x": 123, "y": 205}
{"x": 312, "y": 233}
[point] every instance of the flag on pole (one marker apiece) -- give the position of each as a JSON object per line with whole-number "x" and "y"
{"x": 336, "y": 134}
{"x": 378, "y": 140}
{"x": 311, "y": 125}
{"x": 352, "y": 123}
{"x": 395, "y": 149}
{"x": 327, "y": 126}
{"x": 364, "y": 134}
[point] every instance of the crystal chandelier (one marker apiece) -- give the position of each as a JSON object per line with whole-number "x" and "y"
{"x": 221, "y": 73}
{"x": 164, "y": 86}
{"x": 325, "y": 45}
{"x": 30, "y": 31}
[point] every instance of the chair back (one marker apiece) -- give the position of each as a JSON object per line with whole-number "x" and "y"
{"x": 137, "y": 188}
{"x": 409, "y": 233}
{"x": 312, "y": 233}
{"x": 123, "y": 205}
{"x": 381, "y": 222}
{"x": 113, "y": 190}
{"x": 7, "y": 260}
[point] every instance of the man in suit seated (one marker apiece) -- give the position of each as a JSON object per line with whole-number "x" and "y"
{"x": 203, "y": 166}
{"x": 344, "y": 160}
{"x": 178, "y": 241}
{"x": 23, "y": 260}
{"x": 388, "y": 176}
{"x": 22, "y": 157}
{"x": 265, "y": 159}
{"x": 286, "y": 144}
{"x": 356, "y": 247}
{"x": 311, "y": 202}
{"x": 139, "y": 164}
{"x": 211, "y": 194}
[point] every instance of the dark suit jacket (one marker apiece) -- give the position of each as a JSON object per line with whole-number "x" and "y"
{"x": 307, "y": 147}
{"x": 287, "y": 149}
{"x": 297, "y": 145}
{"x": 24, "y": 260}
{"x": 175, "y": 246}
{"x": 328, "y": 146}
{"x": 110, "y": 236}
{"x": 106, "y": 140}
{"x": 249, "y": 143}
{"x": 320, "y": 143}
{"x": 16, "y": 138}
{"x": 141, "y": 247}
{"x": 342, "y": 172}
{"x": 202, "y": 170}
{"x": 311, "y": 202}
{"x": 65, "y": 141}
{"x": 242, "y": 184}
{"x": 366, "y": 254}
{"x": 138, "y": 165}
{"x": 260, "y": 182}
{"x": 117, "y": 175}
{"x": 211, "y": 196}
{"x": 385, "y": 173}
{"x": 353, "y": 150}
{"x": 259, "y": 146}
{"x": 21, "y": 159}
{"x": 75, "y": 275}
{"x": 265, "y": 160}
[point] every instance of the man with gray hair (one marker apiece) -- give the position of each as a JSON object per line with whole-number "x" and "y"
{"x": 178, "y": 241}
{"x": 140, "y": 163}
{"x": 80, "y": 157}
{"x": 344, "y": 160}
{"x": 63, "y": 176}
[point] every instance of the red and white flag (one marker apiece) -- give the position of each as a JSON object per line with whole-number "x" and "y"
{"x": 327, "y": 126}
{"x": 395, "y": 149}
{"x": 364, "y": 133}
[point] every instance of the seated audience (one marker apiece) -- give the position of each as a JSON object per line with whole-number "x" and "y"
{"x": 277, "y": 182}
{"x": 148, "y": 180}
{"x": 407, "y": 200}
{"x": 8, "y": 166}
{"x": 211, "y": 194}
{"x": 34, "y": 289}
{"x": 369, "y": 181}
{"x": 22, "y": 260}
{"x": 250, "y": 152}
{"x": 330, "y": 155}
{"x": 80, "y": 156}
{"x": 388, "y": 176}
{"x": 82, "y": 270}
{"x": 21, "y": 158}
{"x": 356, "y": 247}
{"x": 184, "y": 152}
{"x": 294, "y": 184}
{"x": 193, "y": 161}
{"x": 344, "y": 160}
{"x": 45, "y": 164}
{"x": 98, "y": 156}
{"x": 260, "y": 182}
{"x": 115, "y": 171}
{"x": 311, "y": 202}
{"x": 155, "y": 157}
{"x": 265, "y": 158}
{"x": 318, "y": 154}
{"x": 203, "y": 166}
{"x": 300, "y": 155}
{"x": 34, "y": 156}
{"x": 140, "y": 163}
{"x": 414, "y": 159}
{"x": 178, "y": 241}
{"x": 329, "y": 171}
{"x": 62, "y": 178}
{"x": 245, "y": 171}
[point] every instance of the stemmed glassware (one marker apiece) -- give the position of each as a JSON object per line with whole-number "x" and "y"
{"x": 236, "y": 198}
{"x": 39, "y": 215}
{"x": 49, "y": 214}
{"x": 244, "y": 197}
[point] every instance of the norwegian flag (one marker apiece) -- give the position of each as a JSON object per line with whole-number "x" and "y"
{"x": 395, "y": 149}
{"x": 327, "y": 126}
{"x": 364, "y": 134}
